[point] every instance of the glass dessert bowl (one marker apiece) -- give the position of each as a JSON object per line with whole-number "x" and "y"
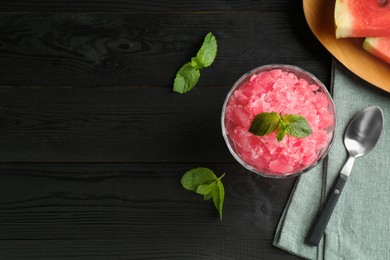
{"x": 280, "y": 90}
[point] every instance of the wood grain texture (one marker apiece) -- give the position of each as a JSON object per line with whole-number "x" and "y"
{"x": 156, "y": 247}
{"x": 129, "y": 210}
{"x": 141, "y": 6}
{"x": 94, "y": 50}
{"x": 111, "y": 125}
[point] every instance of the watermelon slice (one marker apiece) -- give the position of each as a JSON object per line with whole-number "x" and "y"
{"x": 379, "y": 47}
{"x": 362, "y": 18}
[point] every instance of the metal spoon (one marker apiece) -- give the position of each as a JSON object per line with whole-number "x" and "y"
{"x": 361, "y": 136}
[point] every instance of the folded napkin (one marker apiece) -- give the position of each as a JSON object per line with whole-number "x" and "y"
{"x": 359, "y": 227}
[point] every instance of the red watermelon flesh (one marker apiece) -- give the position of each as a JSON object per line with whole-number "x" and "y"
{"x": 379, "y": 47}
{"x": 362, "y": 18}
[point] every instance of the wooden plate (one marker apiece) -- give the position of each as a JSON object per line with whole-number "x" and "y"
{"x": 320, "y": 17}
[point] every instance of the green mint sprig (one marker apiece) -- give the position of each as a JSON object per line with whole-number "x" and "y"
{"x": 189, "y": 74}
{"x": 204, "y": 182}
{"x": 292, "y": 124}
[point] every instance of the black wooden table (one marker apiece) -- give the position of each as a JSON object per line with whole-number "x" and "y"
{"x": 93, "y": 141}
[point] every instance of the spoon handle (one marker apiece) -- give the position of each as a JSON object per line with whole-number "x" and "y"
{"x": 319, "y": 227}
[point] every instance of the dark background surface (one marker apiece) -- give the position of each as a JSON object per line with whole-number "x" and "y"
{"x": 93, "y": 141}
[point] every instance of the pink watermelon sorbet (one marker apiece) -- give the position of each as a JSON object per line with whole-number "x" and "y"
{"x": 287, "y": 90}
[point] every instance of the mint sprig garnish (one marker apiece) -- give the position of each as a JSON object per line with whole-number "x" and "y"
{"x": 204, "y": 182}
{"x": 292, "y": 124}
{"x": 189, "y": 74}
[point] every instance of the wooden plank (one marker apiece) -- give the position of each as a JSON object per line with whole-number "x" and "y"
{"x": 71, "y": 210}
{"x": 154, "y": 247}
{"x": 111, "y": 125}
{"x": 140, "y": 6}
{"x": 95, "y": 50}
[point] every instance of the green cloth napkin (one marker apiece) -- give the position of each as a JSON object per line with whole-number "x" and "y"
{"x": 360, "y": 225}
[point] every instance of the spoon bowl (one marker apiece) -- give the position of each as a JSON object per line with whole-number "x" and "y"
{"x": 363, "y": 131}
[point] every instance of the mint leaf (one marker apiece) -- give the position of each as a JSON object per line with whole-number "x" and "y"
{"x": 219, "y": 197}
{"x": 296, "y": 125}
{"x": 195, "y": 177}
{"x": 208, "y": 196}
{"x": 186, "y": 78}
{"x": 204, "y": 189}
{"x": 264, "y": 123}
{"x": 281, "y": 131}
{"x": 189, "y": 74}
{"x": 204, "y": 182}
{"x": 208, "y": 51}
